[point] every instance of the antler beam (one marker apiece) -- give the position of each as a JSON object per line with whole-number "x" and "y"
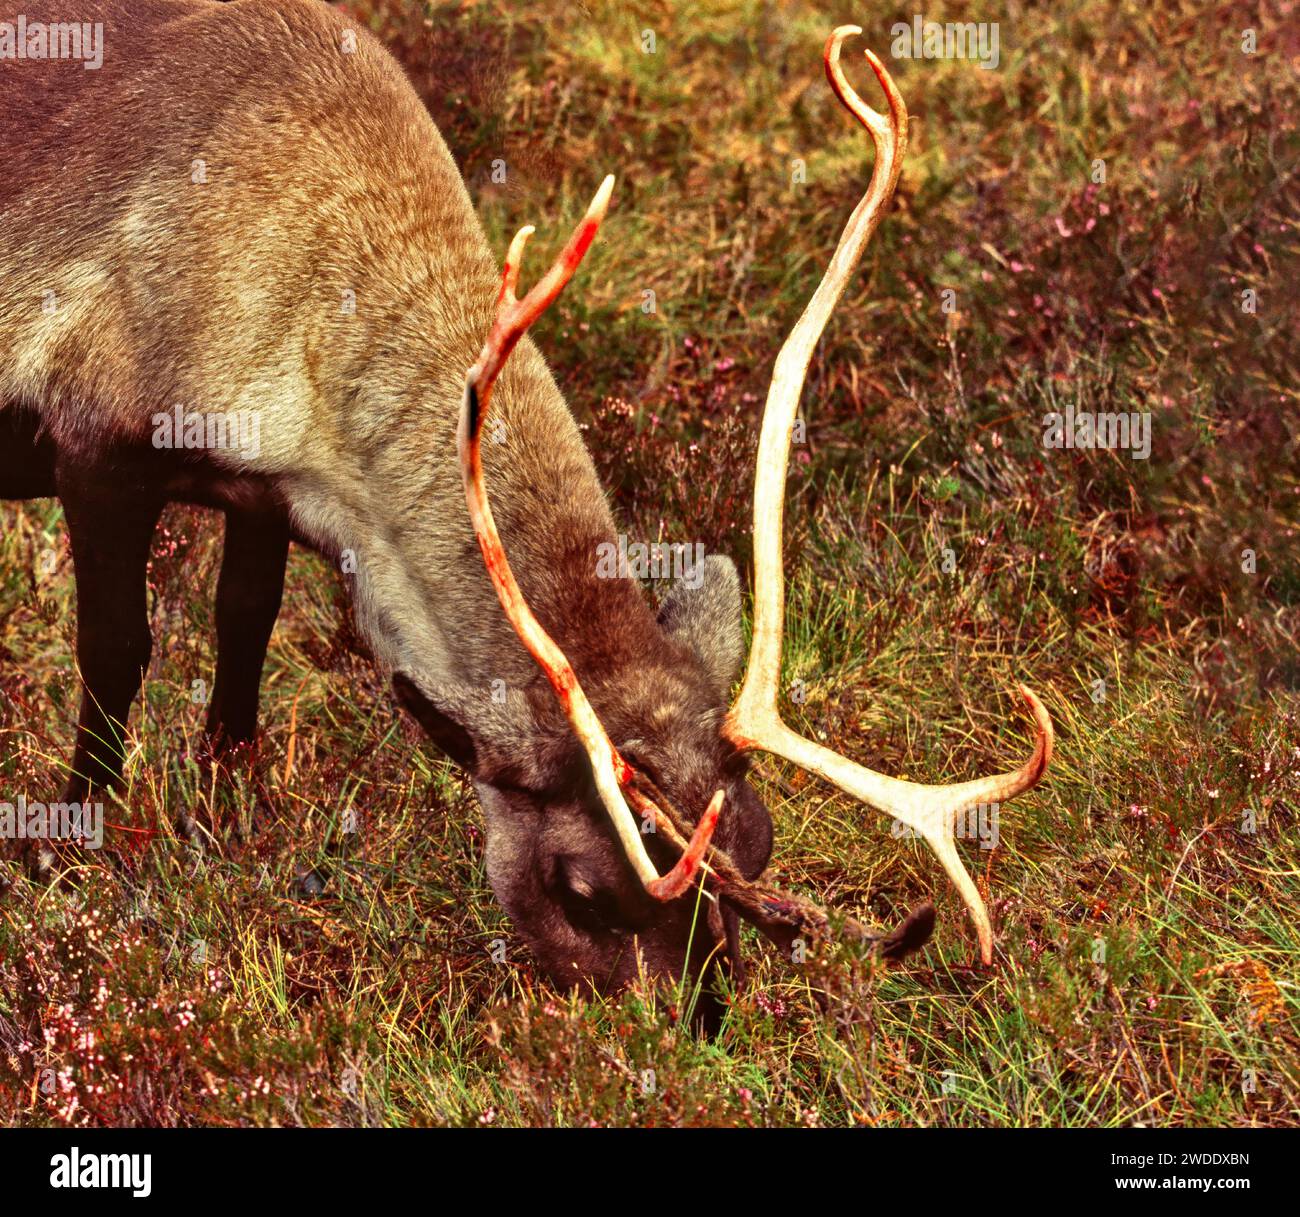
{"x": 754, "y": 721}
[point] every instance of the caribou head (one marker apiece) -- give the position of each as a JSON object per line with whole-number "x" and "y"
{"x": 642, "y": 854}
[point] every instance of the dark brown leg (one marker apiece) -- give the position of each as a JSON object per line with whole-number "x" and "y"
{"x": 111, "y": 528}
{"x": 248, "y": 602}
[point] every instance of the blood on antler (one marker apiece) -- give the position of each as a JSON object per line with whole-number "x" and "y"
{"x": 610, "y": 771}
{"x": 754, "y": 721}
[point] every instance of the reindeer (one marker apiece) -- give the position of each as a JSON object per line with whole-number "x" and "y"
{"x": 326, "y": 269}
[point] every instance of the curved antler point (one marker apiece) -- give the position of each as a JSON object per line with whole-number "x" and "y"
{"x": 679, "y": 879}
{"x": 1046, "y": 734}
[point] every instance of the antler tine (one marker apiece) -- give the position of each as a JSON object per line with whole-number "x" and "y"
{"x": 515, "y": 316}
{"x": 610, "y": 770}
{"x": 754, "y": 720}
{"x": 880, "y": 126}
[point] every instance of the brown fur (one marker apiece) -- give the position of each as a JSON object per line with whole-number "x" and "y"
{"x": 324, "y": 174}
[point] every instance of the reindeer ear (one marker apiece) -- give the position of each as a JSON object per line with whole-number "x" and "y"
{"x": 704, "y": 613}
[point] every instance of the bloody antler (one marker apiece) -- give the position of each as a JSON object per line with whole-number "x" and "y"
{"x": 610, "y": 771}
{"x": 754, "y": 721}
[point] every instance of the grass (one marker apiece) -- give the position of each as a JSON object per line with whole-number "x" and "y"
{"x": 317, "y": 943}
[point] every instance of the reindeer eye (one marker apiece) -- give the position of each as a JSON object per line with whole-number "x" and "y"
{"x": 588, "y": 907}
{"x": 596, "y": 913}
{"x": 632, "y": 754}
